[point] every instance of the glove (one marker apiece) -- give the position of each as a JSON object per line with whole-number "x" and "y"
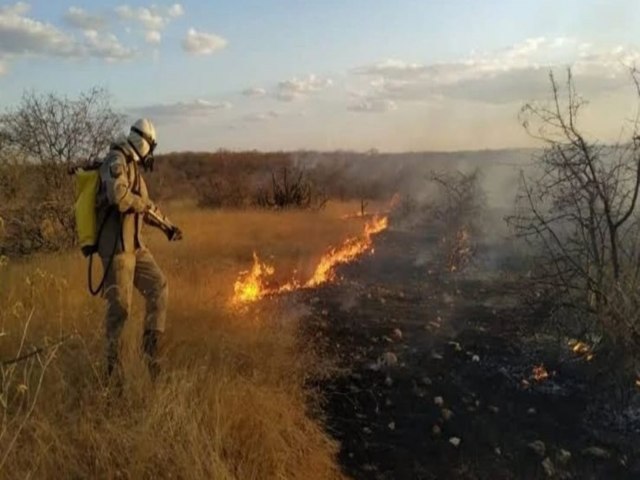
{"x": 174, "y": 234}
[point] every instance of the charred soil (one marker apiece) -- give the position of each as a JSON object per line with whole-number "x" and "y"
{"x": 438, "y": 377}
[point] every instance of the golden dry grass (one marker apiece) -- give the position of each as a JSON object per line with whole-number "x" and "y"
{"x": 231, "y": 401}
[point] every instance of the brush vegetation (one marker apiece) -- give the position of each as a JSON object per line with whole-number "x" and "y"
{"x": 231, "y": 401}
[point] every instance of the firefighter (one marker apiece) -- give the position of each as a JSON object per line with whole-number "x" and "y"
{"x": 123, "y": 205}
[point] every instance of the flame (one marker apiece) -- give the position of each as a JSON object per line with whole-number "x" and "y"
{"x": 581, "y": 349}
{"x": 250, "y": 285}
{"x": 540, "y": 373}
{"x": 253, "y": 285}
{"x": 349, "y": 251}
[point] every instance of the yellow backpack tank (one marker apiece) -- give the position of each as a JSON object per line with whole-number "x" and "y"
{"x": 87, "y": 184}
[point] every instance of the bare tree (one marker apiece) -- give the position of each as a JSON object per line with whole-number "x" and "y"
{"x": 39, "y": 139}
{"x": 578, "y": 208}
{"x": 55, "y": 131}
{"x": 458, "y": 209}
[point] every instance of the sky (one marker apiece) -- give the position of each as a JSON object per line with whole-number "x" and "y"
{"x": 401, "y": 75}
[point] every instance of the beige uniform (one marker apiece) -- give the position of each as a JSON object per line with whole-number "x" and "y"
{"x": 123, "y": 200}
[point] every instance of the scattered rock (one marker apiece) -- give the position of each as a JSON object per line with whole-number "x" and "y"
{"x": 366, "y": 430}
{"x": 498, "y": 451}
{"x": 531, "y": 411}
{"x": 439, "y": 401}
{"x": 375, "y": 366}
{"x": 597, "y": 452}
{"x": 436, "y": 430}
{"x": 455, "y": 441}
{"x": 563, "y": 456}
{"x": 494, "y": 409}
{"x": 447, "y": 414}
{"x": 548, "y": 467}
{"x": 388, "y": 402}
{"x": 426, "y": 381}
{"x": 396, "y": 334}
{"x": 538, "y": 447}
{"x": 456, "y": 346}
{"x": 392, "y": 425}
{"x": 389, "y": 359}
{"x": 436, "y": 356}
{"x": 325, "y": 312}
{"x": 475, "y": 358}
{"x": 388, "y": 381}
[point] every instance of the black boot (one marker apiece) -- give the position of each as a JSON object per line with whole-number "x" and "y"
{"x": 150, "y": 340}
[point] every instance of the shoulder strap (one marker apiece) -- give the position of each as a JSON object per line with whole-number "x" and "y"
{"x": 127, "y": 155}
{"x": 130, "y": 160}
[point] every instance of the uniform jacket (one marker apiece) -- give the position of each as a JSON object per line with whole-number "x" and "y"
{"x": 122, "y": 201}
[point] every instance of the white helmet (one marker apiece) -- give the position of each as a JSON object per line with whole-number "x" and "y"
{"x": 142, "y": 138}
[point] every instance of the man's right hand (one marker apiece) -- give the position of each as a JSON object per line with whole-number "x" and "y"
{"x": 174, "y": 234}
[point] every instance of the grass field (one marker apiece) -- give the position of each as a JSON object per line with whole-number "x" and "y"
{"x": 231, "y": 401}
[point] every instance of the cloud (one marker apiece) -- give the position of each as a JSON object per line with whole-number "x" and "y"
{"x": 21, "y": 36}
{"x": 372, "y": 105}
{"x": 200, "y": 43}
{"x": 152, "y": 19}
{"x": 176, "y": 10}
{"x": 254, "y": 92}
{"x": 3, "y": 69}
{"x": 149, "y": 18}
{"x": 261, "y": 117}
{"x": 106, "y": 46}
{"x": 153, "y": 37}
{"x": 296, "y": 88}
{"x": 197, "y": 108}
{"x": 516, "y": 73}
{"x": 79, "y": 18}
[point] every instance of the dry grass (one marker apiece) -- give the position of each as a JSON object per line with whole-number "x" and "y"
{"x": 231, "y": 402}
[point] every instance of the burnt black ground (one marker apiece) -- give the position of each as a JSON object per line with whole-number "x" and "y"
{"x": 465, "y": 339}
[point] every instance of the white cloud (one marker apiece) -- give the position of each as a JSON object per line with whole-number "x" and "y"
{"x": 262, "y": 117}
{"x": 296, "y": 88}
{"x": 200, "y": 43}
{"x": 106, "y": 46}
{"x": 516, "y": 73}
{"x": 19, "y": 9}
{"x": 149, "y": 18}
{"x": 176, "y": 10}
{"x": 254, "y": 92}
{"x": 21, "y": 35}
{"x": 372, "y": 105}
{"x": 80, "y": 18}
{"x": 152, "y": 19}
{"x": 197, "y": 108}
{"x": 153, "y": 37}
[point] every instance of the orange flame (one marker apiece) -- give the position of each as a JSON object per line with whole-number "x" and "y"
{"x": 349, "y": 251}
{"x": 252, "y": 285}
{"x": 581, "y": 349}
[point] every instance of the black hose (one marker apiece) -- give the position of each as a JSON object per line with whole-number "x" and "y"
{"x": 93, "y": 291}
